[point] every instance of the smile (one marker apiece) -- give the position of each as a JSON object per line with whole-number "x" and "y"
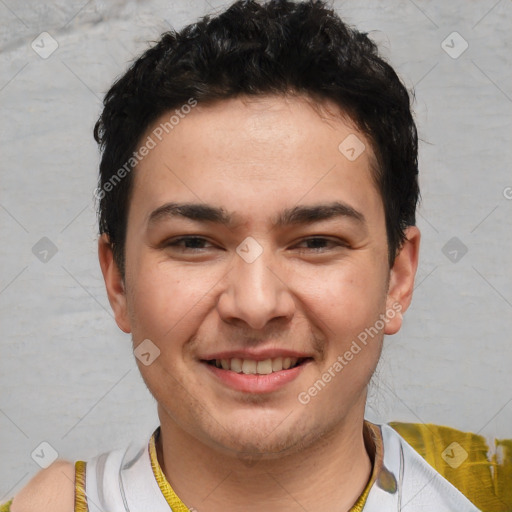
{"x": 253, "y": 367}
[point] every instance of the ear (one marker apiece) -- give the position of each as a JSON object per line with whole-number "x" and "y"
{"x": 401, "y": 280}
{"x": 113, "y": 283}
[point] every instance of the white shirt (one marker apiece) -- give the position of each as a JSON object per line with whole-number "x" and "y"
{"x": 123, "y": 481}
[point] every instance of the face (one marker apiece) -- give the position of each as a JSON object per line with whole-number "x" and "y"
{"x": 256, "y": 255}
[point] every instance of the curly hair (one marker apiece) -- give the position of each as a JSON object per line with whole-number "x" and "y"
{"x": 255, "y": 48}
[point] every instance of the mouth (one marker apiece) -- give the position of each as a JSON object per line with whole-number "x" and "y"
{"x": 253, "y": 367}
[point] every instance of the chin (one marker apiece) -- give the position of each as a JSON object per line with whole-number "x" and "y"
{"x": 261, "y": 435}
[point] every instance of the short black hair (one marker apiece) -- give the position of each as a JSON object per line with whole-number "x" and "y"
{"x": 254, "y": 48}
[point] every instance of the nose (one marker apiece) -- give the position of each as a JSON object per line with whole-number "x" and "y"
{"x": 255, "y": 293}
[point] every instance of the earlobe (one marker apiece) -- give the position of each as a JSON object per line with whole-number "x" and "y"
{"x": 401, "y": 280}
{"x": 113, "y": 283}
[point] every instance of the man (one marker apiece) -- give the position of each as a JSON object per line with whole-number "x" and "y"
{"x": 257, "y": 201}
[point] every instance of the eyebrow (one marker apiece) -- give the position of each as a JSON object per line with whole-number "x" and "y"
{"x": 303, "y": 214}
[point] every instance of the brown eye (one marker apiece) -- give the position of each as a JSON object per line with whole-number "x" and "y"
{"x": 321, "y": 244}
{"x": 188, "y": 243}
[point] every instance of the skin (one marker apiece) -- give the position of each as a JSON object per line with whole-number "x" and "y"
{"x": 255, "y": 157}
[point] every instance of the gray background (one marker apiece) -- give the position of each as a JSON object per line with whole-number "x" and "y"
{"x": 68, "y": 375}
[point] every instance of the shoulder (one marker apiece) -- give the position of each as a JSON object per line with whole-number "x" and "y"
{"x": 52, "y": 490}
{"x": 479, "y": 467}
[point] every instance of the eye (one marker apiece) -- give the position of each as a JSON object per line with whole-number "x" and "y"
{"x": 199, "y": 244}
{"x": 188, "y": 243}
{"x": 318, "y": 244}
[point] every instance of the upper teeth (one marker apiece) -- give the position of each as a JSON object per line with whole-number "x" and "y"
{"x": 249, "y": 366}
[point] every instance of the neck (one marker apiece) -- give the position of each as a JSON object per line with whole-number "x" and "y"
{"x": 329, "y": 475}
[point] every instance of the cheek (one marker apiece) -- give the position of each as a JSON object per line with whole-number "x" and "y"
{"x": 344, "y": 298}
{"x": 162, "y": 299}
{"x": 345, "y": 305}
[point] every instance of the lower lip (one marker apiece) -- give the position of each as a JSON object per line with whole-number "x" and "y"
{"x": 256, "y": 383}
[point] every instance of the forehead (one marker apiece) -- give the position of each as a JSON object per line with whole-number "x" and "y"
{"x": 271, "y": 149}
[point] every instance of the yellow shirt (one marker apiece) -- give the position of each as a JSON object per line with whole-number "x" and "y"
{"x": 479, "y": 469}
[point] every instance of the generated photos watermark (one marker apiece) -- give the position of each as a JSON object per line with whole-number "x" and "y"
{"x": 304, "y": 397}
{"x": 150, "y": 143}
